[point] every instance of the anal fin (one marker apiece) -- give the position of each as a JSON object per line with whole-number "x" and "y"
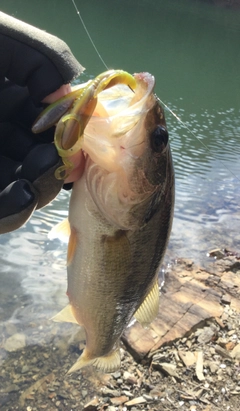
{"x": 148, "y": 310}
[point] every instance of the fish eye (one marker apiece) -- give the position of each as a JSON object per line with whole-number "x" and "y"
{"x": 159, "y": 139}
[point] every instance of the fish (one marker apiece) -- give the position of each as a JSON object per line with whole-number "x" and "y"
{"x": 120, "y": 219}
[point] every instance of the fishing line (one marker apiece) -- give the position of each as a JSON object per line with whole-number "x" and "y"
{"x": 88, "y": 34}
{"x": 165, "y": 105}
{"x": 197, "y": 138}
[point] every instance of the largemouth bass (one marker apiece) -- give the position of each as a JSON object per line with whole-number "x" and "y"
{"x": 120, "y": 218}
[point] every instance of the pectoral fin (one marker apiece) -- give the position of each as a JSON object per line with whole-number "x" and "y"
{"x": 65, "y": 315}
{"x": 62, "y": 230}
{"x": 72, "y": 244}
{"x": 148, "y": 311}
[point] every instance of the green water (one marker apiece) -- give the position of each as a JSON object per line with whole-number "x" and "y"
{"x": 193, "y": 50}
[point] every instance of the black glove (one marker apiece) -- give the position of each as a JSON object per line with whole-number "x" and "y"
{"x": 33, "y": 64}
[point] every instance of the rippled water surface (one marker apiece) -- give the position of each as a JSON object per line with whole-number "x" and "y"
{"x": 192, "y": 48}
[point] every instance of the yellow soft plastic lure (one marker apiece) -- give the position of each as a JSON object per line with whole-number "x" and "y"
{"x": 73, "y": 112}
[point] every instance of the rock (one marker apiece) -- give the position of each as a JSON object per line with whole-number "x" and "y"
{"x": 147, "y": 397}
{"x": 15, "y": 342}
{"x": 127, "y": 393}
{"x": 206, "y": 335}
{"x": 230, "y": 345}
{"x": 199, "y": 366}
{"x": 119, "y": 400}
{"x": 63, "y": 394}
{"x": 91, "y": 405}
{"x": 217, "y": 253}
{"x": 10, "y": 328}
{"x": 226, "y": 299}
{"x": 84, "y": 393}
{"x": 157, "y": 392}
{"x": 223, "y": 352}
{"x": 187, "y": 357}
{"x": 135, "y": 401}
{"x": 110, "y": 392}
{"x": 129, "y": 378}
{"x": 213, "y": 367}
{"x": 116, "y": 375}
{"x": 11, "y": 388}
{"x": 169, "y": 369}
{"x": 236, "y": 352}
{"x": 24, "y": 369}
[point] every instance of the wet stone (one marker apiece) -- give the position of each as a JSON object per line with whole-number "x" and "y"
{"x": 135, "y": 401}
{"x": 24, "y": 369}
{"x": 63, "y": 395}
{"x": 12, "y": 388}
{"x": 84, "y": 393}
{"x": 226, "y": 299}
{"x": 15, "y": 342}
{"x": 119, "y": 400}
{"x": 187, "y": 357}
{"x": 116, "y": 375}
{"x": 213, "y": 367}
{"x": 236, "y": 352}
{"x": 167, "y": 368}
{"x": 129, "y": 378}
{"x": 10, "y": 328}
{"x": 127, "y": 393}
{"x": 111, "y": 393}
{"x": 206, "y": 335}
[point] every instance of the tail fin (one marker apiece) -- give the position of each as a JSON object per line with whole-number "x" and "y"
{"x": 108, "y": 363}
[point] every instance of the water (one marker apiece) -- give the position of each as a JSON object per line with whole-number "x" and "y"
{"x": 192, "y": 48}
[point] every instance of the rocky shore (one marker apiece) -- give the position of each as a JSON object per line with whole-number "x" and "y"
{"x": 188, "y": 359}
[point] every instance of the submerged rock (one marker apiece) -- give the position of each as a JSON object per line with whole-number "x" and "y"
{"x": 15, "y": 342}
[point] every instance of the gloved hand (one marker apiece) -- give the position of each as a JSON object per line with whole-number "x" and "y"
{"x": 33, "y": 65}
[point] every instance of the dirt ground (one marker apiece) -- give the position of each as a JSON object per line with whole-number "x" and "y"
{"x": 193, "y": 365}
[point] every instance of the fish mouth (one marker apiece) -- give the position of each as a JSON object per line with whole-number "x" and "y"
{"x": 118, "y": 112}
{"x": 146, "y": 78}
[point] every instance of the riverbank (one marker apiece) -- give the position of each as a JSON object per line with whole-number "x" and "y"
{"x": 188, "y": 359}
